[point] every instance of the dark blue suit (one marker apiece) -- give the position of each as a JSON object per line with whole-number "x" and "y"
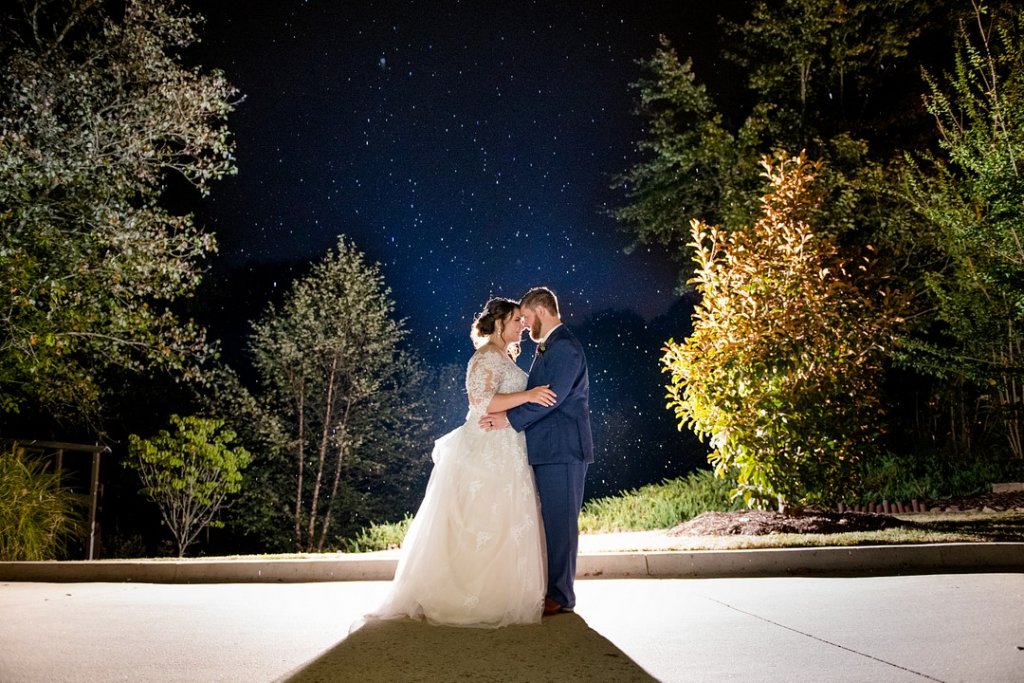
{"x": 560, "y": 445}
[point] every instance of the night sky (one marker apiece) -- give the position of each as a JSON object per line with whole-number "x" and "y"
{"x": 468, "y": 147}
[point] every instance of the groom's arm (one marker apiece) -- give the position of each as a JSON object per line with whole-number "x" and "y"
{"x": 562, "y": 362}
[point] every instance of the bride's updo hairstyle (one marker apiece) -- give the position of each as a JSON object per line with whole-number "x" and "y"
{"x": 495, "y": 314}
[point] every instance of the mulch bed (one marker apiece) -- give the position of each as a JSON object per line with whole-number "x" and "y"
{"x": 764, "y": 522}
{"x": 1011, "y": 500}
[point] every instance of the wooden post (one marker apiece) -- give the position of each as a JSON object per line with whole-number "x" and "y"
{"x": 94, "y": 489}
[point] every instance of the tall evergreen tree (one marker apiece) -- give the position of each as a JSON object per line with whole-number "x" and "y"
{"x": 694, "y": 166}
{"x": 825, "y": 77}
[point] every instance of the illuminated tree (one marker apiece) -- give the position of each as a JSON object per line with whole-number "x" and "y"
{"x": 97, "y": 116}
{"x": 347, "y": 397}
{"x": 189, "y": 472}
{"x": 783, "y": 370}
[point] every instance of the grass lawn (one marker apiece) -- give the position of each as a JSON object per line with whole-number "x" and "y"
{"x": 656, "y": 508}
{"x": 931, "y": 527}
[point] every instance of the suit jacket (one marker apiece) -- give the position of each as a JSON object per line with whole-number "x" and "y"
{"x": 559, "y": 433}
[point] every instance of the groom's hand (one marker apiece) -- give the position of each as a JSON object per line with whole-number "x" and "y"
{"x": 492, "y": 421}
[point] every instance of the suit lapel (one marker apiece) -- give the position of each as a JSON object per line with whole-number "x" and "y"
{"x": 555, "y": 335}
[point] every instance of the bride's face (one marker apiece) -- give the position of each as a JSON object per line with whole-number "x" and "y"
{"x": 514, "y": 326}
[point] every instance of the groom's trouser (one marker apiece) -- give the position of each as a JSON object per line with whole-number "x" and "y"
{"x": 560, "y": 487}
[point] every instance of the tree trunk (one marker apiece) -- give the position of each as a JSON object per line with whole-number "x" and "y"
{"x": 301, "y": 457}
{"x": 324, "y": 440}
{"x": 805, "y": 78}
{"x": 342, "y": 447}
{"x": 1011, "y": 394}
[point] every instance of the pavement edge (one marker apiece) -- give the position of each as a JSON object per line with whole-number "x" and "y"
{"x": 882, "y": 560}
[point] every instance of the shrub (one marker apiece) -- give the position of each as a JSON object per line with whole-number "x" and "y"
{"x": 385, "y": 536}
{"x": 189, "y": 472}
{"x": 38, "y": 517}
{"x": 783, "y": 370}
{"x": 933, "y": 476}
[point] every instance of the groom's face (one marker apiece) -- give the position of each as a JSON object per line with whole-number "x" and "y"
{"x": 532, "y": 322}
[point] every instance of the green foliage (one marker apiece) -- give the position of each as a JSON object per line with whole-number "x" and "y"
{"x": 694, "y": 166}
{"x": 262, "y": 509}
{"x": 38, "y": 516}
{"x": 783, "y": 370}
{"x": 819, "y": 68}
{"x": 97, "y": 116}
{"x": 379, "y": 537}
{"x": 820, "y": 77}
{"x": 971, "y": 197}
{"x": 347, "y": 398}
{"x": 933, "y": 476}
{"x": 658, "y": 506}
{"x": 189, "y": 472}
{"x": 655, "y": 506}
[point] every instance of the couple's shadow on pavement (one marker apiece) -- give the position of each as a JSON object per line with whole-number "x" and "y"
{"x": 562, "y": 648}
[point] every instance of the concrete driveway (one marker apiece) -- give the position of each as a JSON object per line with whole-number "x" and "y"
{"x": 952, "y": 627}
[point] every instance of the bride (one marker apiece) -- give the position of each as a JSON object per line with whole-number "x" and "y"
{"x": 474, "y": 554}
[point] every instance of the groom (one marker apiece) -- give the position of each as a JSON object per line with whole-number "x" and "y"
{"x": 558, "y": 439}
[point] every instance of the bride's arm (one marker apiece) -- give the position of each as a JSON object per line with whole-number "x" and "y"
{"x": 541, "y": 395}
{"x": 482, "y": 380}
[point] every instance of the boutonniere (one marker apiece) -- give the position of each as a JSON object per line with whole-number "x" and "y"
{"x": 542, "y": 348}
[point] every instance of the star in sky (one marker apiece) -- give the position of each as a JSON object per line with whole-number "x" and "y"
{"x": 468, "y": 147}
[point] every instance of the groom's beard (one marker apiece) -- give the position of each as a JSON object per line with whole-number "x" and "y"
{"x": 535, "y": 334}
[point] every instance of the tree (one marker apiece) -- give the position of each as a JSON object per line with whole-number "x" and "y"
{"x": 821, "y": 76}
{"x": 261, "y": 510}
{"x": 189, "y": 472}
{"x": 347, "y": 396}
{"x": 97, "y": 117}
{"x": 819, "y": 68}
{"x": 783, "y": 370}
{"x": 694, "y": 167}
{"x": 971, "y": 197}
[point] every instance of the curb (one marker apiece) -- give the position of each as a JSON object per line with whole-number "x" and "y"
{"x": 883, "y": 560}
{"x": 879, "y": 560}
{"x": 331, "y": 568}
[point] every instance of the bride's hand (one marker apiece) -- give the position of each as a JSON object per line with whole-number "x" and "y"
{"x": 492, "y": 421}
{"x": 542, "y": 395}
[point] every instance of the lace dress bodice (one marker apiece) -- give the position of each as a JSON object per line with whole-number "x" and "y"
{"x": 491, "y": 372}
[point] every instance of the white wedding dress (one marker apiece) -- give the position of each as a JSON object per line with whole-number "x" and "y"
{"x": 474, "y": 554}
